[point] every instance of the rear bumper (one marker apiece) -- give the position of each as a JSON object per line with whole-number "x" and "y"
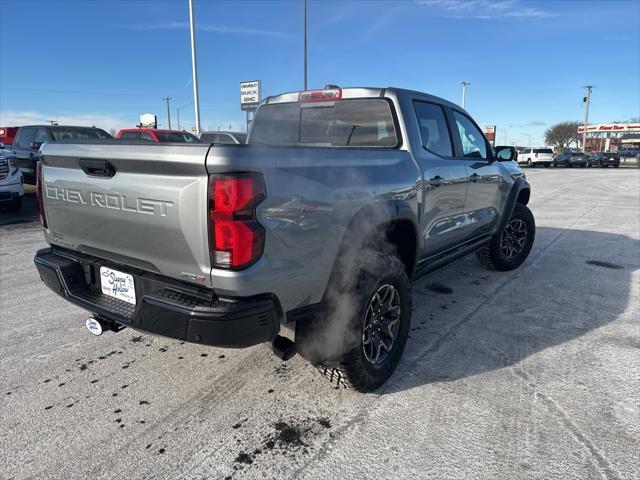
{"x": 164, "y": 307}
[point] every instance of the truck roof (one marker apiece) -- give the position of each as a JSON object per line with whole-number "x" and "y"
{"x": 54, "y": 127}
{"x": 360, "y": 92}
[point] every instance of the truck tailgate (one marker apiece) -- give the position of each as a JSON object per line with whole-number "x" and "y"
{"x": 144, "y": 206}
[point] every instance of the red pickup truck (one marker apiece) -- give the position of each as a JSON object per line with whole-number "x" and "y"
{"x": 7, "y": 134}
{"x": 157, "y": 135}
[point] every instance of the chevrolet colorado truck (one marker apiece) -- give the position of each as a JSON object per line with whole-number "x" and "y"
{"x": 308, "y": 237}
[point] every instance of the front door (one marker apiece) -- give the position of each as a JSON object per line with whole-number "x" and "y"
{"x": 445, "y": 180}
{"x": 482, "y": 204}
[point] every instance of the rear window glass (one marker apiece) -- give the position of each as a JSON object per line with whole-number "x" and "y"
{"x": 578, "y": 154}
{"x": 78, "y": 133}
{"x": 543, "y": 150}
{"x": 176, "y": 137}
{"x": 345, "y": 123}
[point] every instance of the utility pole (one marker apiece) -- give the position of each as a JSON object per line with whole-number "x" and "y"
{"x": 305, "y": 44}
{"x": 53, "y": 122}
{"x": 586, "y": 100}
{"x": 168, "y": 100}
{"x": 194, "y": 65}
{"x": 178, "y": 112}
{"x": 464, "y": 84}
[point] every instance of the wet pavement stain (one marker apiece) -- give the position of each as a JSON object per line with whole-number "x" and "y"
{"x": 239, "y": 424}
{"x": 440, "y": 288}
{"x": 599, "y": 263}
{"x": 244, "y": 458}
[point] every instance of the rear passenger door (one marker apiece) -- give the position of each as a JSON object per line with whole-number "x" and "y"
{"x": 445, "y": 179}
{"x": 483, "y": 201}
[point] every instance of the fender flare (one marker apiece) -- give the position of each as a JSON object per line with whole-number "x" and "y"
{"x": 512, "y": 198}
{"x": 367, "y": 221}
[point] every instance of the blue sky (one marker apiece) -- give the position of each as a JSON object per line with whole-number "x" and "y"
{"x": 105, "y": 62}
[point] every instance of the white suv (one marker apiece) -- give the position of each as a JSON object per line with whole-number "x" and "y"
{"x": 11, "y": 191}
{"x": 536, "y": 156}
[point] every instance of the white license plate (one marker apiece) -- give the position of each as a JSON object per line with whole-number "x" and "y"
{"x": 117, "y": 285}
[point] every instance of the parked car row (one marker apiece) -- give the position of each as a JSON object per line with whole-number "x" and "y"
{"x": 532, "y": 157}
{"x": 23, "y": 143}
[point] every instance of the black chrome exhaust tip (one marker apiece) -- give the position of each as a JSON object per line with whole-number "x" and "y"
{"x": 283, "y": 348}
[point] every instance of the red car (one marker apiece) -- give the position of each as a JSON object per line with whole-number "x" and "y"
{"x": 7, "y": 134}
{"x": 157, "y": 135}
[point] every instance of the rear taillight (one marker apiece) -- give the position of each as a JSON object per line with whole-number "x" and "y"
{"x": 39, "y": 198}
{"x": 236, "y": 238}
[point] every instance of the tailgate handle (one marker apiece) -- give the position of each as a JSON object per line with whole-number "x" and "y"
{"x": 97, "y": 168}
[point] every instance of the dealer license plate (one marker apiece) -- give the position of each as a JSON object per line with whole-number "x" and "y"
{"x": 117, "y": 285}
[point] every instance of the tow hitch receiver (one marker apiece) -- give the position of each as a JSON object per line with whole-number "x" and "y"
{"x": 97, "y": 325}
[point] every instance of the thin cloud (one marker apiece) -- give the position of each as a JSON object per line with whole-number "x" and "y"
{"x": 535, "y": 123}
{"x": 106, "y": 122}
{"x": 486, "y": 9}
{"x": 210, "y": 27}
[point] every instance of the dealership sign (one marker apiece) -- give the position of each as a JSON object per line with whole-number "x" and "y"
{"x": 249, "y": 95}
{"x": 611, "y": 127}
{"x": 490, "y": 133}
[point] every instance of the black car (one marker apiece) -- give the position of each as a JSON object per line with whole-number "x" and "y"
{"x": 29, "y": 138}
{"x": 571, "y": 159}
{"x": 604, "y": 159}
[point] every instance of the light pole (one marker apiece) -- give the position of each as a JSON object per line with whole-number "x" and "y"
{"x": 194, "y": 65}
{"x": 527, "y": 135}
{"x": 464, "y": 84}
{"x": 305, "y": 44}
{"x": 586, "y": 100}
{"x": 179, "y": 109}
{"x": 168, "y": 100}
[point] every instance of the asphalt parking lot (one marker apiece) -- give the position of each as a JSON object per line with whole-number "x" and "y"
{"x": 528, "y": 374}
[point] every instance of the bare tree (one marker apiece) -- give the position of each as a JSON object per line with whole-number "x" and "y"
{"x": 112, "y": 132}
{"x": 562, "y": 135}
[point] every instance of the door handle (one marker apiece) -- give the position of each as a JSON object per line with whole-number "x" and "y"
{"x": 435, "y": 181}
{"x": 97, "y": 168}
{"x": 474, "y": 178}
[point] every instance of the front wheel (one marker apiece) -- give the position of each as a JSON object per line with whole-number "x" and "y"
{"x": 511, "y": 248}
{"x": 359, "y": 338}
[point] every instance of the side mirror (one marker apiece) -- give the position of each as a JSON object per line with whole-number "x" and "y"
{"x": 503, "y": 154}
{"x": 36, "y": 145}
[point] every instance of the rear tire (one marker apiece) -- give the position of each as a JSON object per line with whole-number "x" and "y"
{"x": 359, "y": 337}
{"x": 511, "y": 248}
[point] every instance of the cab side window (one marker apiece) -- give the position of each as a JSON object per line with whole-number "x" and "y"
{"x": 471, "y": 138}
{"x": 433, "y": 128}
{"x": 130, "y": 135}
{"x": 27, "y": 137}
{"x": 42, "y": 136}
{"x": 146, "y": 136}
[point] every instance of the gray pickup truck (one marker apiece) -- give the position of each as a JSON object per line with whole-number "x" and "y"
{"x": 307, "y": 237}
